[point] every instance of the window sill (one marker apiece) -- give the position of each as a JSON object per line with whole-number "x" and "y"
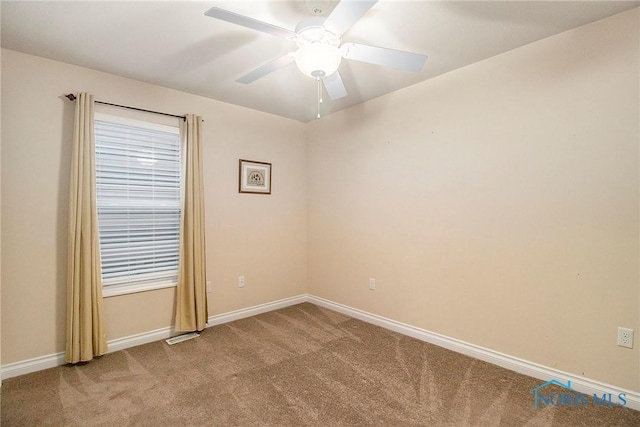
{"x": 116, "y": 290}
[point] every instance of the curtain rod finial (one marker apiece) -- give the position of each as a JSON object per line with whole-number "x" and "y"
{"x": 71, "y": 97}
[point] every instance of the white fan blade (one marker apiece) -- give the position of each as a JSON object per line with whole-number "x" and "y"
{"x": 267, "y": 68}
{"x": 245, "y": 21}
{"x": 346, "y": 13}
{"x": 334, "y": 86}
{"x": 397, "y": 59}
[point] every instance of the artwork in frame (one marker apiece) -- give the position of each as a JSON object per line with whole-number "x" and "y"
{"x": 255, "y": 177}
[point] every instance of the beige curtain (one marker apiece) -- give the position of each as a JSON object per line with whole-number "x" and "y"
{"x": 191, "y": 296}
{"x": 86, "y": 336}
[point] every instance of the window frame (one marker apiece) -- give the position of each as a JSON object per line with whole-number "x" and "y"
{"x": 130, "y": 288}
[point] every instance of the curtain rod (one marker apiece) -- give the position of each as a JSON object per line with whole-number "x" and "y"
{"x": 72, "y": 97}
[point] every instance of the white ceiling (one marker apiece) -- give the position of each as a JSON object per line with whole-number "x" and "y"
{"x": 173, "y": 44}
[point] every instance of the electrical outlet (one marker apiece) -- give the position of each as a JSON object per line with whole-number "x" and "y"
{"x": 241, "y": 282}
{"x": 625, "y": 337}
{"x": 209, "y": 287}
{"x": 372, "y": 284}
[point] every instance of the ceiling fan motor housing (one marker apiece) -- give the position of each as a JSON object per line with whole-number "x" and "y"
{"x": 318, "y": 53}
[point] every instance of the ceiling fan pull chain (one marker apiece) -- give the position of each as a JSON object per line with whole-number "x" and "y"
{"x": 319, "y": 95}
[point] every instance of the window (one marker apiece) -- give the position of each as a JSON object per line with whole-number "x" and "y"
{"x": 138, "y": 183}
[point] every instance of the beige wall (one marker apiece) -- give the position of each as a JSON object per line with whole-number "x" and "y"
{"x": 497, "y": 204}
{"x": 260, "y": 237}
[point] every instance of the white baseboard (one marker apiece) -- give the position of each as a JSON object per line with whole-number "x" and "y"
{"x": 544, "y": 373}
{"x": 32, "y": 365}
{"x": 50, "y": 361}
{"x": 139, "y": 339}
{"x": 541, "y": 372}
{"x": 219, "y": 319}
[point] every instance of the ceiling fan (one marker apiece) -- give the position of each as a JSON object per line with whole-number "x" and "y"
{"x": 320, "y": 48}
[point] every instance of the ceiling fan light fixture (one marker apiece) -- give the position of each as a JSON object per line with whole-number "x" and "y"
{"x": 318, "y": 60}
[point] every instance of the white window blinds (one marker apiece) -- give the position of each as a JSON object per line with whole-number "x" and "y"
{"x": 138, "y": 187}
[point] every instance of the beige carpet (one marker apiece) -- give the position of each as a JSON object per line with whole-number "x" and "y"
{"x": 302, "y": 365}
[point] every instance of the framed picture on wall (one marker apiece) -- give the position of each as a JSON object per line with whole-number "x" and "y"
{"x": 255, "y": 177}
